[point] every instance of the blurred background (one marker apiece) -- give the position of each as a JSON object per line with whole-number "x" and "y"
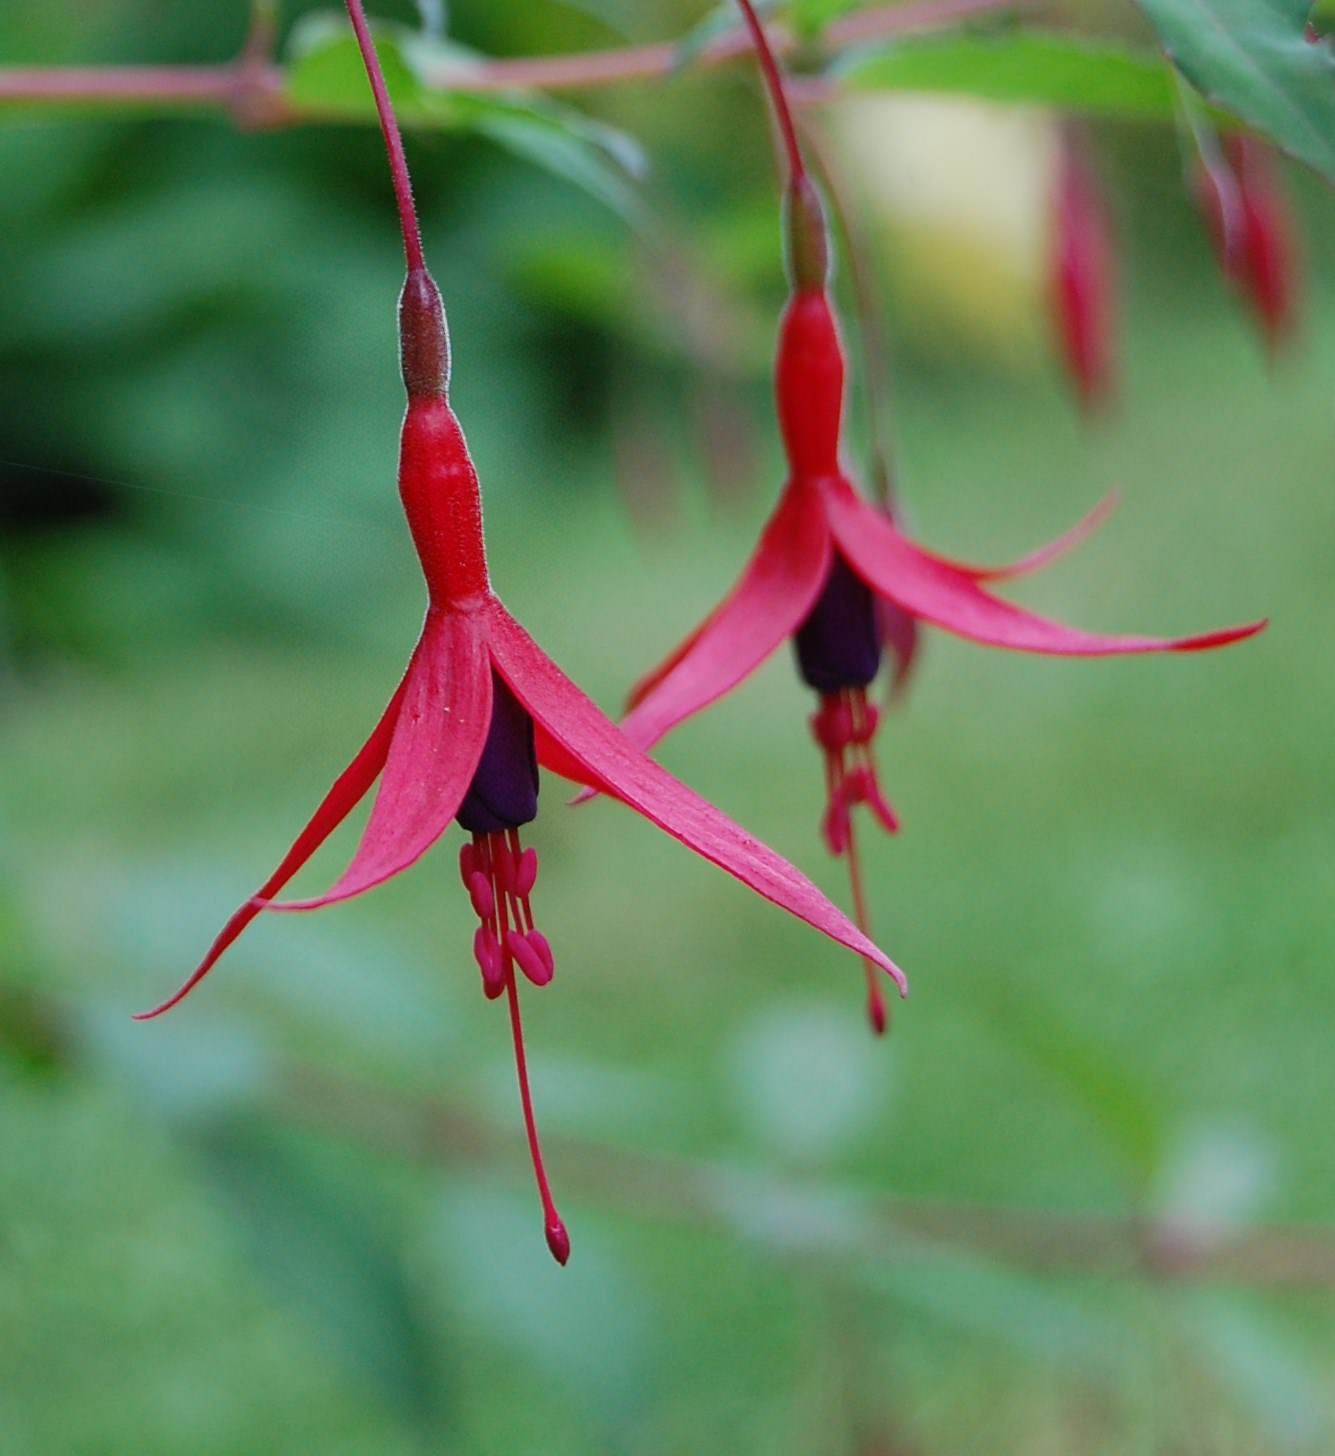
{"x": 1082, "y": 1200}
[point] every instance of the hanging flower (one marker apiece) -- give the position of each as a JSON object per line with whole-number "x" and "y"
{"x": 1082, "y": 281}
{"x": 480, "y": 710}
{"x": 1252, "y": 229}
{"x": 829, "y": 560}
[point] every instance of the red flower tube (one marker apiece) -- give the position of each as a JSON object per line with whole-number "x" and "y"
{"x": 481, "y": 708}
{"x": 828, "y": 557}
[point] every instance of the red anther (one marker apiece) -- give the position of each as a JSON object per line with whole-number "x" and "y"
{"x": 490, "y": 962}
{"x": 543, "y": 947}
{"x": 558, "y": 1241}
{"x": 834, "y": 827}
{"x": 865, "y": 731}
{"x": 528, "y": 957}
{"x": 526, "y": 874}
{"x": 1311, "y": 34}
{"x": 469, "y": 864}
{"x": 482, "y": 895}
{"x": 880, "y": 807}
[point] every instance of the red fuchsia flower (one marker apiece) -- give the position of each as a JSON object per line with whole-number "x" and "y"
{"x": 1082, "y": 279}
{"x": 828, "y": 558}
{"x": 1253, "y": 233}
{"x": 481, "y": 709}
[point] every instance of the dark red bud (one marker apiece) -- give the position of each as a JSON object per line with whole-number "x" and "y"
{"x": 808, "y": 238}
{"x": 424, "y": 342}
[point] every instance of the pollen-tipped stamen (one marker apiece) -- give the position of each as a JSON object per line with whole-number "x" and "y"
{"x": 844, "y": 726}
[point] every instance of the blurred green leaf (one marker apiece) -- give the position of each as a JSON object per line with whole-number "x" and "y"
{"x": 325, "y": 78}
{"x": 1025, "y": 66}
{"x": 808, "y": 1079}
{"x": 985, "y": 1299}
{"x": 1092, "y": 1076}
{"x": 1218, "y": 1176}
{"x": 717, "y": 22}
{"x": 312, "y": 1239}
{"x": 1269, "y": 1375}
{"x": 509, "y": 1290}
{"x": 1250, "y": 57}
{"x": 810, "y": 17}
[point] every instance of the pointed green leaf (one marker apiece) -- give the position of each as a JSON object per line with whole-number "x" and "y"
{"x": 1028, "y": 67}
{"x": 1250, "y": 57}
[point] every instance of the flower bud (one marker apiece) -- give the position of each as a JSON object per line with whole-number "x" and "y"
{"x": 424, "y": 342}
{"x": 807, "y": 237}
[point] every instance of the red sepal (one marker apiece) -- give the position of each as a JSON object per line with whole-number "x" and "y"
{"x": 616, "y": 766}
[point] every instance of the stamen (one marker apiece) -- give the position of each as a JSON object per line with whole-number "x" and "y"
{"x": 558, "y": 1240}
{"x": 844, "y": 726}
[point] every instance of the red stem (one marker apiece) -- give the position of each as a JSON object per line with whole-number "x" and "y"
{"x": 216, "y": 87}
{"x": 783, "y": 114}
{"x": 389, "y": 126}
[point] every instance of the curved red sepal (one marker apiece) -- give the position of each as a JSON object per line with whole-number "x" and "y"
{"x": 935, "y": 591}
{"x": 437, "y": 743}
{"x": 347, "y": 791}
{"x": 1044, "y": 555}
{"x": 775, "y": 592}
{"x": 566, "y": 716}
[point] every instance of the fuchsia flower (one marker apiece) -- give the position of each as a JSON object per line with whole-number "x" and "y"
{"x": 1082, "y": 278}
{"x": 828, "y": 558}
{"x": 1253, "y": 233}
{"x": 481, "y": 708}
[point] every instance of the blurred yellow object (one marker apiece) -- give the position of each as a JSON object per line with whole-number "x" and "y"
{"x": 960, "y": 194}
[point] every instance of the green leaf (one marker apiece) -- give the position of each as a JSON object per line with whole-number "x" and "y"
{"x": 597, "y": 158}
{"x": 1125, "y": 1112}
{"x": 1250, "y": 57}
{"x": 810, "y": 17}
{"x": 325, "y": 78}
{"x": 1030, "y": 1316}
{"x": 1261, "y": 1367}
{"x": 311, "y": 1238}
{"x": 1031, "y": 67}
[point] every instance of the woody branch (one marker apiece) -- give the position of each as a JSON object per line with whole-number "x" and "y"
{"x": 251, "y": 89}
